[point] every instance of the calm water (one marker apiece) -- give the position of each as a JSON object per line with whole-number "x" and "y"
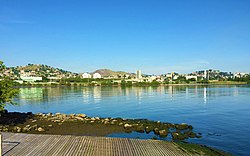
{"x": 220, "y": 113}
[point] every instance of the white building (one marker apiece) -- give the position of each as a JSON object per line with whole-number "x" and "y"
{"x": 188, "y": 77}
{"x": 138, "y": 74}
{"x": 31, "y": 79}
{"x": 170, "y": 76}
{"x": 239, "y": 75}
{"x": 86, "y": 75}
{"x": 175, "y": 77}
{"x": 152, "y": 78}
{"x": 97, "y": 76}
{"x": 206, "y": 74}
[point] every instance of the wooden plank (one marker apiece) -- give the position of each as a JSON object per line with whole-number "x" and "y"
{"x": 34, "y": 144}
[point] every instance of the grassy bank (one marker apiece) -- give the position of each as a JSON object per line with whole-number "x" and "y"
{"x": 196, "y": 149}
{"x": 48, "y": 84}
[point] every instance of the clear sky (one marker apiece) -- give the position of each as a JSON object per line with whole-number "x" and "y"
{"x": 156, "y": 36}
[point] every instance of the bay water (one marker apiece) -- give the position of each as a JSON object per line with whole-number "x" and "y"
{"x": 220, "y": 112}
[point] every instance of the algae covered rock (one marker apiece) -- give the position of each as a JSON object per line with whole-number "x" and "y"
{"x": 182, "y": 126}
{"x": 113, "y": 122}
{"x": 127, "y": 126}
{"x": 163, "y": 133}
{"x": 17, "y": 129}
{"x": 40, "y": 129}
{"x": 25, "y": 129}
{"x": 190, "y": 134}
{"x": 148, "y": 129}
{"x": 140, "y": 129}
{"x": 82, "y": 115}
{"x": 156, "y": 131}
{"x": 179, "y": 136}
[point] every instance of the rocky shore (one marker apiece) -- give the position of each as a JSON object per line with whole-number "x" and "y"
{"x": 81, "y": 124}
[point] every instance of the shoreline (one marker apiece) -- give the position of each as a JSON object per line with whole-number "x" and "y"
{"x": 60, "y": 123}
{"x": 88, "y": 85}
{"x": 82, "y": 125}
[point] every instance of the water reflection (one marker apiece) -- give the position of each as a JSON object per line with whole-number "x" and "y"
{"x": 97, "y": 94}
{"x": 205, "y": 95}
{"x": 141, "y": 94}
{"x": 171, "y": 91}
{"x": 86, "y": 95}
{"x": 31, "y": 93}
{"x": 138, "y": 94}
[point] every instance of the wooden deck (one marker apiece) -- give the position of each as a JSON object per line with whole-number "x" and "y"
{"x": 18, "y": 144}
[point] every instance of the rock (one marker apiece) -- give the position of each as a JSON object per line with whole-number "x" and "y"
{"x": 61, "y": 116}
{"x": 106, "y": 122}
{"x": 120, "y": 124}
{"x": 190, "y": 127}
{"x": 163, "y": 133}
{"x": 5, "y": 129}
{"x": 49, "y": 114}
{"x": 156, "y": 131}
{"x": 140, "y": 129}
{"x": 87, "y": 119}
{"x": 179, "y": 136}
{"x": 182, "y": 126}
{"x": 106, "y": 119}
{"x": 92, "y": 121}
{"x": 190, "y": 134}
{"x": 79, "y": 118}
{"x": 127, "y": 126}
{"x": 40, "y": 129}
{"x": 25, "y": 129}
{"x": 81, "y": 115}
{"x": 39, "y": 114}
{"x": 148, "y": 129}
{"x": 72, "y": 116}
{"x": 113, "y": 122}
{"x": 97, "y": 118}
{"x": 34, "y": 127}
{"x": 58, "y": 114}
{"x": 16, "y": 128}
{"x": 50, "y": 125}
{"x": 57, "y": 120}
{"x": 33, "y": 121}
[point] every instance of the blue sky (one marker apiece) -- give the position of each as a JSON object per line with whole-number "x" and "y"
{"x": 156, "y": 36}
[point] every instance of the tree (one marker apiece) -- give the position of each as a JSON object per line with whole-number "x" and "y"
{"x": 7, "y": 92}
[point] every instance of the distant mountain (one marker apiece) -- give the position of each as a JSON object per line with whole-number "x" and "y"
{"x": 108, "y": 72}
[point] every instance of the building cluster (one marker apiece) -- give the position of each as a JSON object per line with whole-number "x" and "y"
{"x": 36, "y": 72}
{"x": 94, "y": 76}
